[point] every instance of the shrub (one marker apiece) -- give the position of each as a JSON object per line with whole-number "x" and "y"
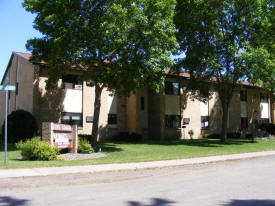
{"x": 45, "y": 151}
{"x": 84, "y": 146}
{"x": 269, "y": 128}
{"x": 27, "y": 147}
{"x": 127, "y": 137}
{"x": 191, "y": 133}
{"x": 35, "y": 149}
{"x": 21, "y": 126}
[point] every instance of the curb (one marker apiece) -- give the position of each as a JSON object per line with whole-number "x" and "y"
{"x": 45, "y": 171}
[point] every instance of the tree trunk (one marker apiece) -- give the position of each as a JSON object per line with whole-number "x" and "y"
{"x": 97, "y": 105}
{"x": 224, "y": 121}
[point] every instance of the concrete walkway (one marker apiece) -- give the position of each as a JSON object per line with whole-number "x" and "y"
{"x": 43, "y": 171}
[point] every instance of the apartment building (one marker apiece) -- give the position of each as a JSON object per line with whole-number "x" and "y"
{"x": 168, "y": 114}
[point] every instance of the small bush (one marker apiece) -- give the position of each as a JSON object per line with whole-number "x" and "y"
{"x": 84, "y": 146}
{"x": 127, "y": 137}
{"x": 191, "y": 133}
{"x": 45, "y": 151}
{"x": 35, "y": 149}
{"x": 21, "y": 126}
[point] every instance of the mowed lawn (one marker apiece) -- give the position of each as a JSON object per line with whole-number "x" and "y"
{"x": 121, "y": 152}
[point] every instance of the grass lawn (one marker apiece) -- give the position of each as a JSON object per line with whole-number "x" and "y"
{"x": 121, "y": 152}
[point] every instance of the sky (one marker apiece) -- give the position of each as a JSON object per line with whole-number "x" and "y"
{"x": 16, "y": 27}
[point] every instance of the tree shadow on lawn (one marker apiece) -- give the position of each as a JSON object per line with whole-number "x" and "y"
{"x": 197, "y": 143}
{"x": 110, "y": 147}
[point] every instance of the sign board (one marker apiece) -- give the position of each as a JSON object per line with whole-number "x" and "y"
{"x": 63, "y": 140}
{"x": 60, "y": 135}
{"x": 62, "y": 127}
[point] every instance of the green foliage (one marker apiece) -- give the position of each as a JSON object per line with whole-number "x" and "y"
{"x": 21, "y": 125}
{"x": 45, "y": 151}
{"x": 35, "y": 149}
{"x": 84, "y": 146}
{"x": 27, "y": 148}
{"x": 261, "y": 67}
{"x": 122, "y": 44}
{"x": 117, "y": 41}
{"x": 221, "y": 42}
{"x": 127, "y": 137}
{"x": 191, "y": 133}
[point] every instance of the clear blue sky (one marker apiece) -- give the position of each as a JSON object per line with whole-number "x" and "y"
{"x": 15, "y": 29}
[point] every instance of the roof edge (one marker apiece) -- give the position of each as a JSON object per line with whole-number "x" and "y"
{"x": 12, "y": 55}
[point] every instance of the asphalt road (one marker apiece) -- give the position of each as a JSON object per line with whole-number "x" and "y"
{"x": 233, "y": 183}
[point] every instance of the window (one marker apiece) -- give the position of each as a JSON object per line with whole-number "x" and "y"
{"x": 204, "y": 121}
{"x": 172, "y": 88}
{"x": 172, "y": 121}
{"x": 71, "y": 82}
{"x": 142, "y": 106}
{"x": 243, "y": 96}
{"x": 112, "y": 119}
{"x": 71, "y": 118}
{"x": 244, "y": 122}
{"x": 264, "y": 98}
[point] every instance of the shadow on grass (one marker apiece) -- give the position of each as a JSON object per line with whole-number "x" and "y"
{"x": 197, "y": 143}
{"x": 250, "y": 203}
{"x": 10, "y": 201}
{"x": 155, "y": 202}
{"x": 110, "y": 147}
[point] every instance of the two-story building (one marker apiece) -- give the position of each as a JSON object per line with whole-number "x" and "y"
{"x": 168, "y": 114}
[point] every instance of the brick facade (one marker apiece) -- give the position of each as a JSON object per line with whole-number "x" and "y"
{"x": 144, "y": 112}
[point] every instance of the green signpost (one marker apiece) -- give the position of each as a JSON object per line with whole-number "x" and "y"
{"x": 6, "y": 87}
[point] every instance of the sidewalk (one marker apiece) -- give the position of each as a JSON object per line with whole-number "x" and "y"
{"x": 44, "y": 171}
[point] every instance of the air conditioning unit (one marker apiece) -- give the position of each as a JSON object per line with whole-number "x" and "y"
{"x": 78, "y": 86}
{"x": 89, "y": 119}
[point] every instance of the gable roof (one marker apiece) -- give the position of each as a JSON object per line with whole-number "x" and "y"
{"x": 24, "y": 56}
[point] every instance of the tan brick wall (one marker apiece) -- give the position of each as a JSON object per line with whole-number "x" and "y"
{"x": 192, "y": 111}
{"x": 47, "y": 105}
{"x": 21, "y": 72}
{"x": 132, "y": 113}
{"x": 156, "y": 116}
{"x": 12, "y": 81}
{"x": 25, "y": 79}
{"x": 88, "y": 108}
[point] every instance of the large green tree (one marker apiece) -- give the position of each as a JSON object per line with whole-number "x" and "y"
{"x": 219, "y": 38}
{"x": 261, "y": 58}
{"x": 122, "y": 45}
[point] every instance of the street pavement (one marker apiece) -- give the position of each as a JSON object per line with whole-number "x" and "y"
{"x": 6, "y": 173}
{"x": 245, "y": 182}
